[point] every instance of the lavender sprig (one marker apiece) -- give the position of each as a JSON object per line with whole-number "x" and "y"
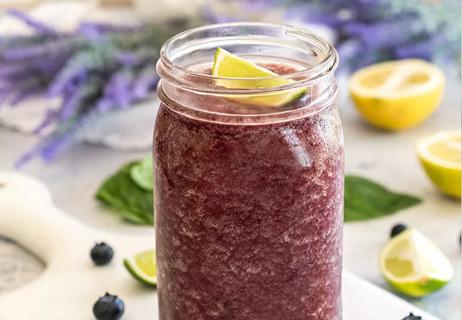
{"x": 37, "y": 26}
{"x": 146, "y": 81}
{"x": 374, "y": 30}
{"x": 96, "y": 69}
{"x": 60, "y": 46}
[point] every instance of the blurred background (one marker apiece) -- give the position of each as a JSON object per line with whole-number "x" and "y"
{"x": 78, "y": 101}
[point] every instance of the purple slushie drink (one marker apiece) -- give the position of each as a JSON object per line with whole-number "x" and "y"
{"x": 249, "y": 178}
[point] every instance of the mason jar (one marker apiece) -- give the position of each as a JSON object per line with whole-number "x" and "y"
{"x": 248, "y": 177}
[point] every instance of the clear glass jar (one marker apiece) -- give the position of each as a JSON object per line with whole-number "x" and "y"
{"x": 248, "y": 197}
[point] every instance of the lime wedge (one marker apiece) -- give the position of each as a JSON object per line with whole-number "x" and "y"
{"x": 142, "y": 266}
{"x": 413, "y": 265}
{"x": 227, "y": 65}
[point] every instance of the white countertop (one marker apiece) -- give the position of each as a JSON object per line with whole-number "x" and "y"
{"x": 387, "y": 157}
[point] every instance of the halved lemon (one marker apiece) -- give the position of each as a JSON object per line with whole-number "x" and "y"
{"x": 440, "y": 155}
{"x": 398, "y": 94}
{"x": 413, "y": 265}
{"x": 227, "y": 65}
{"x": 142, "y": 266}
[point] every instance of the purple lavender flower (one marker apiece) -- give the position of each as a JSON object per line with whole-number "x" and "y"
{"x": 58, "y": 141}
{"x": 25, "y": 89}
{"x": 15, "y": 99}
{"x": 39, "y": 27}
{"x": 97, "y": 68}
{"x": 105, "y": 104}
{"x": 135, "y": 58}
{"x": 379, "y": 29}
{"x": 348, "y": 51}
{"x": 49, "y": 148}
{"x": 119, "y": 88}
{"x": 49, "y": 118}
{"x": 54, "y": 48}
{"x": 260, "y": 5}
{"x": 77, "y": 67}
{"x": 94, "y": 29}
{"x": 7, "y": 41}
{"x": 146, "y": 81}
{"x": 420, "y": 49}
{"x": 213, "y": 17}
{"x": 6, "y": 70}
{"x": 69, "y": 105}
{"x": 382, "y": 34}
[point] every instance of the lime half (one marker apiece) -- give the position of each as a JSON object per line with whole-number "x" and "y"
{"x": 142, "y": 266}
{"x": 413, "y": 265}
{"x": 227, "y": 65}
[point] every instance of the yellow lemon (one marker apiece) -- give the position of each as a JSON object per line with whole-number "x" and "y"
{"x": 440, "y": 155}
{"x": 399, "y": 94}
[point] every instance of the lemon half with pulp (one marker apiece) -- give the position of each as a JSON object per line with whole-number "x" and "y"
{"x": 398, "y": 94}
{"x": 440, "y": 155}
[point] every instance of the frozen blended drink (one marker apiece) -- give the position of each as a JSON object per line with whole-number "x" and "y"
{"x": 248, "y": 158}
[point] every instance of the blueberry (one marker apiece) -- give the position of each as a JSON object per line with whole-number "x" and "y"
{"x": 411, "y": 316}
{"x": 108, "y": 307}
{"x": 397, "y": 229}
{"x": 101, "y": 254}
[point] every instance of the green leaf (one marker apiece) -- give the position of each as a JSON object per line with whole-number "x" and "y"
{"x": 132, "y": 202}
{"x": 129, "y": 191}
{"x": 366, "y": 199}
{"x": 142, "y": 173}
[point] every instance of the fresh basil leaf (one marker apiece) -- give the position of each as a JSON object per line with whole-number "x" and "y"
{"x": 130, "y": 192}
{"x": 142, "y": 173}
{"x": 366, "y": 199}
{"x": 132, "y": 202}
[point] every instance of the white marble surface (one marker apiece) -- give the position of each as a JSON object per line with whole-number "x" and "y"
{"x": 391, "y": 159}
{"x": 387, "y": 157}
{"x": 109, "y": 130}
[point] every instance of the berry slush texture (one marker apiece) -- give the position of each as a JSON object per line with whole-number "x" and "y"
{"x": 249, "y": 218}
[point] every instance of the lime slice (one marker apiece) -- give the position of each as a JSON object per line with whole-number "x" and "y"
{"x": 413, "y": 265}
{"x": 227, "y": 65}
{"x": 142, "y": 267}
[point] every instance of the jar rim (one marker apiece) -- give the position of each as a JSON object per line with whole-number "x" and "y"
{"x": 192, "y": 80}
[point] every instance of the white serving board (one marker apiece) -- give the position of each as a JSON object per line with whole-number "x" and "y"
{"x": 71, "y": 283}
